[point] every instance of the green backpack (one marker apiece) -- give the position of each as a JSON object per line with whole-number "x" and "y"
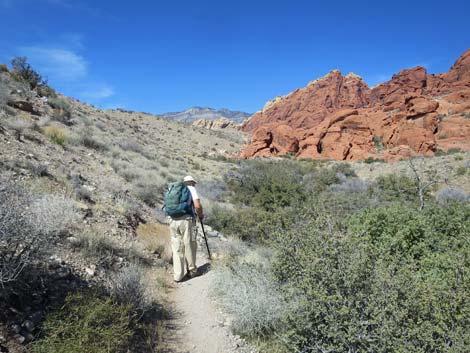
{"x": 177, "y": 200}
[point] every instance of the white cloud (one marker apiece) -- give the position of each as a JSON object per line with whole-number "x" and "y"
{"x": 66, "y": 69}
{"x": 97, "y": 92}
{"x": 56, "y": 64}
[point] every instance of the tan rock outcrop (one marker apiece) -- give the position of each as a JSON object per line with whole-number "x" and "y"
{"x": 222, "y": 123}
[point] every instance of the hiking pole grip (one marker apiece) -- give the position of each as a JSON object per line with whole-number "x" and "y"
{"x": 205, "y": 238}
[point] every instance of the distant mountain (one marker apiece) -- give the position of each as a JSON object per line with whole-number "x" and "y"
{"x": 196, "y": 113}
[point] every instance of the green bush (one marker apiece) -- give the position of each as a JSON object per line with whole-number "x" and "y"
{"x": 22, "y": 71}
{"x": 370, "y": 160}
{"x": 62, "y": 110}
{"x": 395, "y": 187}
{"x": 397, "y": 281}
{"x": 250, "y": 223}
{"x": 267, "y": 185}
{"x": 88, "y": 323}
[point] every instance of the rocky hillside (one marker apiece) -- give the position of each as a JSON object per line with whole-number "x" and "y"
{"x": 91, "y": 181}
{"x": 340, "y": 117}
{"x": 197, "y": 113}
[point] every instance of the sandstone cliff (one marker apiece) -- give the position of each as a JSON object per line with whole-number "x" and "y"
{"x": 340, "y": 117}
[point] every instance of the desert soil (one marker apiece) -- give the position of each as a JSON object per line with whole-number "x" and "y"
{"x": 196, "y": 324}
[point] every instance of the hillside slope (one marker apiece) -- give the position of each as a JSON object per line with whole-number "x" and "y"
{"x": 99, "y": 174}
{"x": 205, "y": 113}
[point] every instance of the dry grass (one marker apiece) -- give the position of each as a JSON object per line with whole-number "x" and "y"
{"x": 56, "y": 134}
{"x": 156, "y": 238}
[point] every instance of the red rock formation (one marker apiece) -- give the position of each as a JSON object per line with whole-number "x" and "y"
{"x": 340, "y": 117}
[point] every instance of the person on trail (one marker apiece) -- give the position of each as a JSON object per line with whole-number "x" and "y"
{"x": 183, "y": 232}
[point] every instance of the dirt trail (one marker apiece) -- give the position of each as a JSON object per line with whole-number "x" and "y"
{"x": 197, "y": 326}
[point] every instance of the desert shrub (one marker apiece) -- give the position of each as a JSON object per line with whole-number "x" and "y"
{"x": 18, "y": 126}
{"x": 37, "y": 169}
{"x": 84, "y": 194}
{"x": 149, "y": 190}
{"x": 395, "y": 187}
{"x": 93, "y": 143}
{"x": 213, "y": 190}
{"x": 98, "y": 246}
{"x": 251, "y": 298}
{"x": 440, "y": 153}
{"x": 252, "y": 224}
{"x": 449, "y": 194}
{"x": 87, "y": 322}
{"x": 104, "y": 249}
{"x": 26, "y": 226}
{"x": 23, "y": 71}
{"x": 338, "y": 203}
{"x": 126, "y": 170}
{"x": 59, "y": 103}
{"x": 46, "y": 91}
{"x": 461, "y": 170}
{"x": 378, "y": 142}
{"x": 53, "y": 214}
{"x": 350, "y": 186}
{"x": 370, "y": 160}
{"x": 56, "y": 134}
{"x": 129, "y": 287}
{"x": 320, "y": 179}
{"x": 4, "y": 94}
{"x": 130, "y": 145}
{"x": 3, "y": 68}
{"x": 268, "y": 185}
{"x": 100, "y": 125}
{"x": 344, "y": 169}
{"x": 62, "y": 110}
{"x": 17, "y": 231}
{"x": 396, "y": 281}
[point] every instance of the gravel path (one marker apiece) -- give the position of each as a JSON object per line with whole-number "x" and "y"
{"x": 197, "y": 326}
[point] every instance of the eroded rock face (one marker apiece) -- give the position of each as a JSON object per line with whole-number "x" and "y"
{"x": 340, "y": 117}
{"x": 222, "y": 123}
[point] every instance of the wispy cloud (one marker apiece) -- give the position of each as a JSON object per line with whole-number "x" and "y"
{"x": 56, "y": 63}
{"x": 97, "y": 92}
{"x": 64, "y": 63}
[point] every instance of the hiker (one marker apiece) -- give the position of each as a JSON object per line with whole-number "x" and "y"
{"x": 183, "y": 227}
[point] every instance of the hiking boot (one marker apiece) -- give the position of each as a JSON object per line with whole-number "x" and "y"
{"x": 194, "y": 273}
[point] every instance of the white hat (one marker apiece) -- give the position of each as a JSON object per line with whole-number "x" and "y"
{"x": 189, "y": 178}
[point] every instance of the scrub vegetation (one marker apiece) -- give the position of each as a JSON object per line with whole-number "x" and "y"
{"x": 352, "y": 266}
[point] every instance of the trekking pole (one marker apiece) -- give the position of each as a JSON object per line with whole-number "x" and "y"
{"x": 205, "y": 238}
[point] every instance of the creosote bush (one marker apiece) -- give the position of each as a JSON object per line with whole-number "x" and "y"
{"x": 395, "y": 282}
{"x": 87, "y": 322}
{"x": 367, "y": 268}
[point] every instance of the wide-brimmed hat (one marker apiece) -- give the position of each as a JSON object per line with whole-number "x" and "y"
{"x": 189, "y": 178}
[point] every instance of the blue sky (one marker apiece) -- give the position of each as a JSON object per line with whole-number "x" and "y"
{"x": 160, "y": 56}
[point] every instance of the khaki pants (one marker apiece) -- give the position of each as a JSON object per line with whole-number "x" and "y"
{"x": 184, "y": 246}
